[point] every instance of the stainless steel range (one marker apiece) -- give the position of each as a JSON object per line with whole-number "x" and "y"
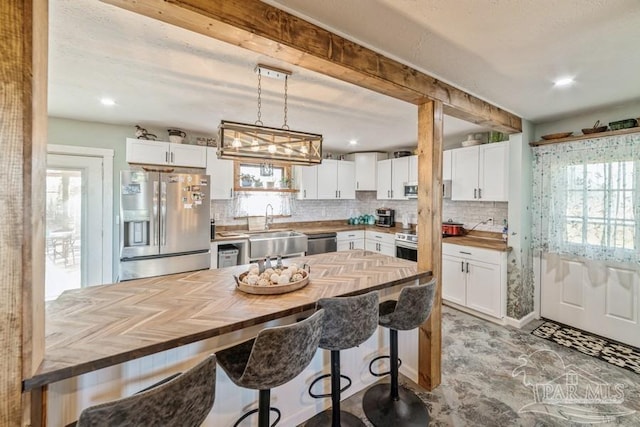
{"x": 407, "y": 245}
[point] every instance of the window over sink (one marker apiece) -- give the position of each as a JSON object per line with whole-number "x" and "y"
{"x": 260, "y": 184}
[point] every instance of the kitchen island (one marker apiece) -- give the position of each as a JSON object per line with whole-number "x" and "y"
{"x": 109, "y": 341}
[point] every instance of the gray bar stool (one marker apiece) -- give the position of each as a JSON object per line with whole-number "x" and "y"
{"x": 181, "y": 400}
{"x": 275, "y": 356}
{"x": 348, "y": 322}
{"x": 386, "y": 404}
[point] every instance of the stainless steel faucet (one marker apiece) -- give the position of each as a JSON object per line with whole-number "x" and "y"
{"x": 268, "y": 219}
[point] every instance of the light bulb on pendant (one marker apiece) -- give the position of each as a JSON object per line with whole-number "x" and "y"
{"x": 272, "y": 148}
{"x": 236, "y": 143}
{"x": 255, "y": 146}
{"x": 304, "y": 150}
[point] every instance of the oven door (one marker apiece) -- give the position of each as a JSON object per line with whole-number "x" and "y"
{"x": 406, "y": 251}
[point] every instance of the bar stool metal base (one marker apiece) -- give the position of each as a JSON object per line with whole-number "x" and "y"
{"x": 323, "y": 419}
{"x": 382, "y": 410}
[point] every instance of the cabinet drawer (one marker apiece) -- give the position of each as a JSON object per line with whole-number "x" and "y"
{"x": 381, "y": 237}
{"x": 472, "y": 253}
{"x": 350, "y": 235}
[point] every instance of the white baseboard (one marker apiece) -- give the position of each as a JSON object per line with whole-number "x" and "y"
{"x": 519, "y": 323}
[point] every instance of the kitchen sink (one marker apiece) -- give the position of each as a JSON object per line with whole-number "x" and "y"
{"x": 273, "y": 243}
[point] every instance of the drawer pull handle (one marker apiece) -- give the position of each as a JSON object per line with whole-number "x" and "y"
{"x": 466, "y": 253}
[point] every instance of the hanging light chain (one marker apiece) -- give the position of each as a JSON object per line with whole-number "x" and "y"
{"x": 286, "y": 109}
{"x": 259, "y": 121}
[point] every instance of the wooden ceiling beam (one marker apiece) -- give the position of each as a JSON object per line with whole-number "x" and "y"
{"x": 264, "y": 29}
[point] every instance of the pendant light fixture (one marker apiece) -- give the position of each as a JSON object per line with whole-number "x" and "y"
{"x": 258, "y": 142}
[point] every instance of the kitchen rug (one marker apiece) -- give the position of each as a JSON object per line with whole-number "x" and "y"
{"x": 617, "y": 354}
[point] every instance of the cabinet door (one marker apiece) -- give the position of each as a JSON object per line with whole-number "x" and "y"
{"x": 366, "y": 171}
{"x": 147, "y": 152}
{"x": 413, "y": 169}
{"x": 307, "y": 177}
{"x": 464, "y": 173}
{"x": 346, "y": 180}
{"x": 493, "y": 173}
{"x": 328, "y": 179}
{"x": 453, "y": 279}
{"x": 446, "y": 165}
{"x": 192, "y": 156}
{"x": 221, "y": 173}
{"x": 484, "y": 287}
{"x": 344, "y": 245}
{"x": 384, "y": 180}
{"x": 399, "y": 175}
{"x": 358, "y": 244}
{"x": 387, "y": 249}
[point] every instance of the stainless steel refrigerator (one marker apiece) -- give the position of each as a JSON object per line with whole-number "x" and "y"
{"x": 164, "y": 223}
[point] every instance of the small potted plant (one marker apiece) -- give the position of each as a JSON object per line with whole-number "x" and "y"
{"x": 256, "y": 182}
{"x": 246, "y": 180}
{"x": 285, "y": 182}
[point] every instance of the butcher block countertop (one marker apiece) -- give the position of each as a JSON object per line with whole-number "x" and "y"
{"x": 480, "y": 239}
{"x": 309, "y": 228}
{"x": 99, "y": 326}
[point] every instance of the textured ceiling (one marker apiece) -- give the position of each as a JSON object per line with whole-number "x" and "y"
{"x": 506, "y": 52}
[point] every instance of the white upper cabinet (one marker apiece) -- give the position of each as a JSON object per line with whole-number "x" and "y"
{"x": 221, "y": 173}
{"x": 393, "y": 174}
{"x": 165, "y": 153}
{"x": 480, "y": 173}
{"x": 336, "y": 179}
{"x": 307, "y": 182}
{"x": 446, "y": 165}
{"x": 366, "y": 170}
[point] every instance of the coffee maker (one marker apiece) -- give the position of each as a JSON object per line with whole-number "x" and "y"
{"x": 386, "y": 217}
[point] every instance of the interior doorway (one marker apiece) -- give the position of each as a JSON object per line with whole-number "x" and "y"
{"x": 76, "y": 245}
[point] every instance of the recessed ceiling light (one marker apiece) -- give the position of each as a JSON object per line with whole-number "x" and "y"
{"x": 108, "y": 102}
{"x": 564, "y": 81}
{"x": 353, "y": 142}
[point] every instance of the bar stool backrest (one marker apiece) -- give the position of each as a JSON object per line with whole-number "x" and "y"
{"x": 348, "y": 321}
{"x": 280, "y": 353}
{"x": 413, "y": 307}
{"x": 186, "y": 400}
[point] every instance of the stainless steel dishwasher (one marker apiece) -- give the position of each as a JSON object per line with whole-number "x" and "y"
{"x": 321, "y": 243}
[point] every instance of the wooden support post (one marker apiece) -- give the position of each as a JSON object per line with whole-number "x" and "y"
{"x": 430, "y": 236}
{"x": 23, "y": 125}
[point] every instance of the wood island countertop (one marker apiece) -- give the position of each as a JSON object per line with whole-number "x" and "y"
{"x": 100, "y": 326}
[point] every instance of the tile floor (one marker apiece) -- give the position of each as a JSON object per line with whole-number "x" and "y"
{"x": 482, "y": 381}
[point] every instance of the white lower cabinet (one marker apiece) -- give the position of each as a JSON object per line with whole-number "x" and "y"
{"x": 383, "y": 243}
{"x": 475, "y": 278}
{"x": 350, "y": 240}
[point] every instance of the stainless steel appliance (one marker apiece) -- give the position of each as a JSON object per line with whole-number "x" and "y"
{"x": 321, "y": 243}
{"x": 164, "y": 223}
{"x": 386, "y": 217}
{"x": 411, "y": 190}
{"x": 407, "y": 245}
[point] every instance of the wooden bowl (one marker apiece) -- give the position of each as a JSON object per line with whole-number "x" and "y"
{"x": 557, "y": 135}
{"x": 271, "y": 289}
{"x": 599, "y": 129}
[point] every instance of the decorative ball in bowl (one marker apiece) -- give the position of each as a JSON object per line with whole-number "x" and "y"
{"x": 273, "y": 280}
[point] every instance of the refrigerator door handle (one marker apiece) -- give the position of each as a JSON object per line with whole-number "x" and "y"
{"x": 163, "y": 213}
{"x": 155, "y": 213}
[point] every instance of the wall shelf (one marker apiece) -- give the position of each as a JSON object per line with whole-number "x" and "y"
{"x": 588, "y": 136}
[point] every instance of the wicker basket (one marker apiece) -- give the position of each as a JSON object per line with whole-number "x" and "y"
{"x": 623, "y": 124}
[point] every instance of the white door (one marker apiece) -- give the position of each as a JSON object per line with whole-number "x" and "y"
{"x": 399, "y": 175}
{"x": 384, "y": 180}
{"x": 74, "y": 223}
{"x": 454, "y": 280}
{"x": 464, "y": 173}
{"x": 599, "y": 298}
{"x": 193, "y": 156}
{"x": 493, "y": 173}
{"x": 328, "y": 179}
{"x": 483, "y": 287}
{"x": 346, "y": 180}
{"x": 221, "y": 173}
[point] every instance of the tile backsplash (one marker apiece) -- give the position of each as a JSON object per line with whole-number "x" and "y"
{"x": 469, "y": 213}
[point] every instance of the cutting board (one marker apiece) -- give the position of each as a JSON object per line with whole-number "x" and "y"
{"x": 255, "y": 223}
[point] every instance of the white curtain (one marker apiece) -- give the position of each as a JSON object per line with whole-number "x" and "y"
{"x": 587, "y": 198}
{"x": 254, "y": 203}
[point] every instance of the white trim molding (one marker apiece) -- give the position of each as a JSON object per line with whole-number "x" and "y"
{"x": 519, "y": 323}
{"x": 107, "y": 198}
